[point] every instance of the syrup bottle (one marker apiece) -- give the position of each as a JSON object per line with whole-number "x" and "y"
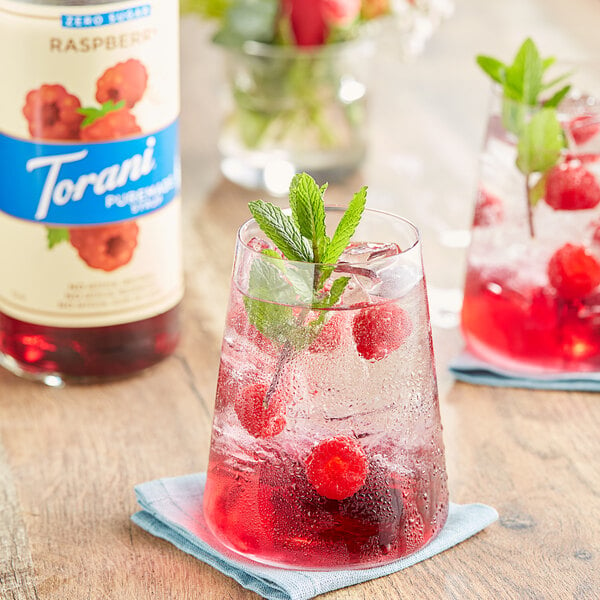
{"x": 91, "y": 272}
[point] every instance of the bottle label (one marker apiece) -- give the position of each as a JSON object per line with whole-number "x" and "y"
{"x": 89, "y": 163}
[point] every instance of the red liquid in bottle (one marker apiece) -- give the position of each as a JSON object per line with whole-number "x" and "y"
{"x": 94, "y": 352}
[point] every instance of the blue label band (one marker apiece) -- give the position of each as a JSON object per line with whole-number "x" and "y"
{"x": 108, "y": 18}
{"x": 89, "y": 184}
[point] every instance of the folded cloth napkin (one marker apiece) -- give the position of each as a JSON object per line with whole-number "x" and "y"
{"x": 471, "y": 369}
{"x": 172, "y": 510}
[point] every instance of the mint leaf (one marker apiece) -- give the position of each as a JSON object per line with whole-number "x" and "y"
{"x": 335, "y": 293}
{"x": 493, "y": 67}
{"x": 540, "y": 143}
{"x": 346, "y": 227}
{"x": 524, "y": 76}
{"x": 93, "y": 114}
{"x": 281, "y": 228}
{"x": 308, "y": 212}
{"x": 56, "y": 235}
{"x": 266, "y": 284}
{"x": 537, "y": 192}
{"x": 556, "y": 99}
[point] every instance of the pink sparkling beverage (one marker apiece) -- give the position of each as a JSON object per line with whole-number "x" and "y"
{"x": 344, "y": 467}
{"x": 532, "y": 289}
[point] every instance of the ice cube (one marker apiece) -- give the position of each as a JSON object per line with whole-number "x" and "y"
{"x": 396, "y": 281}
{"x": 362, "y": 252}
{"x": 375, "y": 270}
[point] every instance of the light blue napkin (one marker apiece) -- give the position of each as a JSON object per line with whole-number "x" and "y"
{"x": 467, "y": 367}
{"x": 172, "y": 510}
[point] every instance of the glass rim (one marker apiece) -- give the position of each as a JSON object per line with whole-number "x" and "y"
{"x": 332, "y": 208}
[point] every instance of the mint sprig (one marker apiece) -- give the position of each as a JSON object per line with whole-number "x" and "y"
{"x": 302, "y": 236}
{"x": 522, "y": 81}
{"x": 532, "y": 118}
{"x": 275, "y": 286}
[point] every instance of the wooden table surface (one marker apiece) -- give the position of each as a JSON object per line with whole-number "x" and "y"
{"x": 69, "y": 458}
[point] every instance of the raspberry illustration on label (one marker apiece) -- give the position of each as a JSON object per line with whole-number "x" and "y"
{"x": 53, "y": 113}
{"x": 125, "y": 81}
{"x": 106, "y": 248}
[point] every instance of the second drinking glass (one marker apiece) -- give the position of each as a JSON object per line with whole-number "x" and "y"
{"x": 532, "y": 292}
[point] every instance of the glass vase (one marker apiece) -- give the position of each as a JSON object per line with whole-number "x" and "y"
{"x": 291, "y": 110}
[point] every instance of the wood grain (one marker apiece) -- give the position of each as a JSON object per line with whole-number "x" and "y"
{"x": 69, "y": 458}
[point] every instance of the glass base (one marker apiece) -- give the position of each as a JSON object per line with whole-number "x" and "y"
{"x": 301, "y": 563}
{"x": 273, "y": 172}
{"x": 550, "y": 365}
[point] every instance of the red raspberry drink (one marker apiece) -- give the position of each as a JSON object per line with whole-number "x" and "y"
{"x": 532, "y": 295}
{"x": 326, "y": 450}
{"x": 90, "y": 209}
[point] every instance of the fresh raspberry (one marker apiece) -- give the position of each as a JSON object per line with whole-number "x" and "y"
{"x": 113, "y": 125}
{"x": 337, "y": 467}
{"x": 106, "y": 247}
{"x": 573, "y": 272}
{"x": 125, "y": 81}
{"x": 329, "y": 337}
{"x": 52, "y": 113}
{"x": 488, "y": 210}
{"x": 380, "y": 329}
{"x": 570, "y": 186}
{"x": 257, "y": 419}
{"x": 584, "y": 127}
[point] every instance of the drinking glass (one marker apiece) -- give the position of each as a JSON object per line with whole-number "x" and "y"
{"x": 531, "y": 296}
{"x": 326, "y": 447}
